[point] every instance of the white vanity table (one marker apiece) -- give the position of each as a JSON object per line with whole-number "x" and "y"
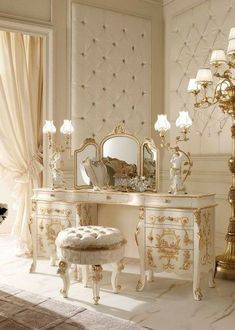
{"x": 175, "y": 233}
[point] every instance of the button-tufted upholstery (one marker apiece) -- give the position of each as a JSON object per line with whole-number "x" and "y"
{"x": 111, "y": 72}
{"x": 90, "y": 245}
{"x": 90, "y": 238}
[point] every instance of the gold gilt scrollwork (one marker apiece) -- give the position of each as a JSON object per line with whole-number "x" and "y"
{"x": 49, "y": 211}
{"x": 205, "y": 238}
{"x": 168, "y": 244}
{"x": 187, "y": 240}
{"x": 187, "y": 262}
{"x": 54, "y": 227}
{"x": 153, "y": 219}
{"x": 151, "y": 262}
{"x": 141, "y": 219}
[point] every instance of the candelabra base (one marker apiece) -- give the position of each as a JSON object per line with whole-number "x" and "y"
{"x": 225, "y": 266}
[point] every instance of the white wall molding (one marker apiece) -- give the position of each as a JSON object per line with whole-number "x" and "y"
{"x": 31, "y": 14}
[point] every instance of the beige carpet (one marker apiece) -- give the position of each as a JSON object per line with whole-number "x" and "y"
{"x": 20, "y": 310}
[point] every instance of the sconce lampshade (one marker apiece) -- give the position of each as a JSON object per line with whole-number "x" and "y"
{"x": 162, "y": 124}
{"x": 218, "y": 57}
{"x": 193, "y": 85}
{"x": 49, "y": 127}
{"x": 183, "y": 121}
{"x": 67, "y": 127}
{"x": 204, "y": 76}
{"x": 231, "y": 47}
{"x": 232, "y": 33}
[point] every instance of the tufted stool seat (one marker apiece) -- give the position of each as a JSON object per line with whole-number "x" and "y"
{"x": 90, "y": 245}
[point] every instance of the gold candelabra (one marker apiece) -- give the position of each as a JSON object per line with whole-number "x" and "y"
{"x": 56, "y": 150}
{"x": 178, "y": 157}
{"x": 221, "y": 92}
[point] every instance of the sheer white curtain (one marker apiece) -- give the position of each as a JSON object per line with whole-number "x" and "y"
{"x": 21, "y": 84}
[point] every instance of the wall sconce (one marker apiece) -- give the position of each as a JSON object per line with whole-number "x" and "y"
{"x": 221, "y": 90}
{"x": 56, "y": 150}
{"x": 179, "y": 158}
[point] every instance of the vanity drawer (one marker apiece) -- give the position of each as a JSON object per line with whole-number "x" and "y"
{"x": 169, "y": 201}
{"x": 61, "y": 210}
{"x": 109, "y": 198}
{"x": 170, "y": 239}
{"x": 177, "y": 261}
{"x": 167, "y": 217}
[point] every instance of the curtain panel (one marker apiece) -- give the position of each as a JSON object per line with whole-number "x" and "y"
{"x": 21, "y": 94}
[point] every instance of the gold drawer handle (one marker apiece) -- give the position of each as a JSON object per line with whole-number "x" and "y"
{"x": 108, "y": 197}
{"x": 52, "y": 195}
{"x": 168, "y": 201}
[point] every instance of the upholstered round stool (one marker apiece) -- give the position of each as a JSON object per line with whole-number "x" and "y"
{"x": 90, "y": 245}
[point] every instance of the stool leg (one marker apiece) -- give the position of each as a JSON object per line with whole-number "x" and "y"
{"x": 96, "y": 275}
{"x": 117, "y": 268}
{"x": 85, "y": 270}
{"x": 63, "y": 271}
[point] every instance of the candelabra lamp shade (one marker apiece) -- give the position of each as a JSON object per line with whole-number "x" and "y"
{"x": 218, "y": 57}
{"x": 162, "y": 123}
{"x": 193, "y": 86}
{"x": 49, "y": 127}
{"x": 204, "y": 76}
{"x": 67, "y": 127}
{"x": 222, "y": 92}
{"x": 183, "y": 121}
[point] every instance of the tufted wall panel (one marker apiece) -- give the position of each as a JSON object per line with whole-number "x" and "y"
{"x": 110, "y": 73}
{"x": 194, "y": 33}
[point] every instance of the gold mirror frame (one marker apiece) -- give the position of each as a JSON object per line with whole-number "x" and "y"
{"x": 152, "y": 147}
{"x": 84, "y": 145}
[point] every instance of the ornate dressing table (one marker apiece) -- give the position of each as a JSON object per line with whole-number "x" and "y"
{"x": 175, "y": 233}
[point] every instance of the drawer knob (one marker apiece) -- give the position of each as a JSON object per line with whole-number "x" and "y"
{"x": 108, "y": 197}
{"x": 52, "y": 195}
{"x": 167, "y": 201}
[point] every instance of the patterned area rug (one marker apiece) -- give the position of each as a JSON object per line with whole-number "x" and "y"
{"x": 20, "y": 310}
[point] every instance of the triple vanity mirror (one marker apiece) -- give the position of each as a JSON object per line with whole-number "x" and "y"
{"x": 120, "y": 162}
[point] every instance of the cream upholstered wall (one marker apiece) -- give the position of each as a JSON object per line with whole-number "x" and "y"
{"x": 192, "y": 29}
{"x": 110, "y": 73}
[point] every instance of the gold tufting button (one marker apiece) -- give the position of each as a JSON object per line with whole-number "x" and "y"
{"x": 123, "y": 91}
{"x": 142, "y": 64}
{"x": 114, "y": 74}
{"x": 83, "y": 86}
{"x": 142, "y": 123}
{"x": 104, "y": 58}
{"x": 82, "y": 118}
{"x": 83, "y": 22}
{"x": 114, "y": 105}
{"x": 133, "y": 107}
{"x": 94, "y": 40}
{"x": 114, "y": 44}
{"x": 104, "y": 120}
{"x": 124, "y": 30}
{"x": 133, "y": 48}
{"x": 104, "y": 89}
{"x": 104, "y": 26}
{"x": 133, "y": 77}
{"x": 123, "y": 60}
{"x": 93, "y": 71}
{"x": 93, "y": 104}
{"x": 93, "y": 135}
{"x": 83, "y": 54}
{"x": 123, "y": 121}
{"x": 142, "y": 35}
